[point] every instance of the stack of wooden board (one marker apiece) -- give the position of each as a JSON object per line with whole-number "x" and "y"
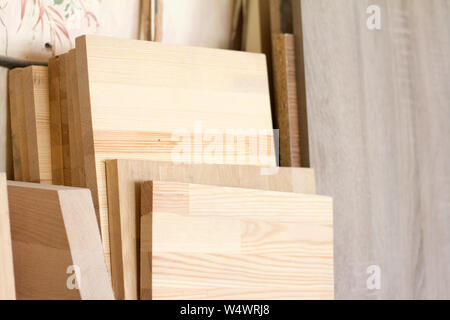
{"x": 124, "y": 99}
{"x": 124, "y": 176}
{"x": 30, "y": 124}
{"x": 186, "y": 116}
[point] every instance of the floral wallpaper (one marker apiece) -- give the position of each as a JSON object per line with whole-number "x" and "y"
{"x": 40, "y": 28}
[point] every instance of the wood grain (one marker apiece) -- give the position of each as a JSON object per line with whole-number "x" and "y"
{"x": 18, "y": 126}
{"x": 124, "y": 178}
{"x": 286, "y": 105}
{"x": 37, "y": 110}
{"x": 7, "y": 283}
{"x": 52, "y": 229}
{"x": 126, "y": 114}
{"x": 55, "y": 121}
{"x": 378, "y": 110}
{"x": 230, "y": 243}
{"x": 301, "y": 85}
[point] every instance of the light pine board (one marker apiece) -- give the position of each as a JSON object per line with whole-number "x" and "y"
{"x": 138, "y": 99}
{"x": 286, "y": 106}
{"x": 379, "y": 120}
{"x": 52, "y": 229}
{"x": 30, "y": 124}
{"x": 124, "y": 177}
{"x": 7, "y": 285}
{"x": 210, "y": 242}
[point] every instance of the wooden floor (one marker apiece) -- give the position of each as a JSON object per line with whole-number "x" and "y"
{"x": 379, "y": 125}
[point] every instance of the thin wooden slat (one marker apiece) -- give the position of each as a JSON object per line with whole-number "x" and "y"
{"x": 210, "y": 242}
{"x": 55, "y": 239}
{"x": 379, "y": 120}
{"x": 55, "y": 121}
{"x": 287, "y": 113}
{"x": 65, "y": 129}
{"x": 18, "y": 126}
{"x": 125, "y": 113}
{"x": 7, "y": 284}
{"x": 301, "y": 85}
{"x": 123, "y": 177}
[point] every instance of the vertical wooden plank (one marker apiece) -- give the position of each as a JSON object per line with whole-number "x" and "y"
{"x": 55, "y": 122}
{"x": 301, "y": 86}
{"x": 286, "y": 102}
{"x": 7, "y": 283}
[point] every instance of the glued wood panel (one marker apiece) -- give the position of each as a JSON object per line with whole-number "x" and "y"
{"x": 230, "y": 243}
{"x": 379, "y": 120}
{"x": 55, "y": 240}
{"x": 125, "y": 176}
{"x": 7, "y": 285}
{"x": 152, "y": 101}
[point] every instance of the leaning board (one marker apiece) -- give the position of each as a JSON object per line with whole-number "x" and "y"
{"x": 379, "y": 122}
{"x": 55, "y": 240}
{"x": 150, "y": 101}
{"x": 125, "y": 176}
{"x": 208, "y": 242}
{"x": 7, "y": 286}
{"x": 30, "y": 124}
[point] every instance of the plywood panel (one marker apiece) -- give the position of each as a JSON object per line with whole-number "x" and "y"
{"x": 231, "y": 243}
{"x": 378, "y": 109}
{"x": 7, "y": 284}
{"x": 55, "y": 239}
{"x": 124, "y": 177}
{"x": 199, "y": 105}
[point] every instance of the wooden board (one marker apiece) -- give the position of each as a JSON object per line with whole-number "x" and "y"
{"x": 7, "y": 286}
{"x": 55, "y": 121}
{"x": 124, "y": 177}
{"x": 379, "y": 120}
{"x": 210, "y": 242}
{"x": 194, "y": 94}
{"x": 54, "y": 234}
{"x": 301, "y": 86}
{"x": 30, "y": 124}
{"x": 286, "y": 110}
{"x": 202, "y": 23}
{"x": 18, "y": 126}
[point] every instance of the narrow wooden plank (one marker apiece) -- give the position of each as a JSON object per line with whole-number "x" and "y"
{"x": 55, "y": 240}
{"x": 301, "y": 85}
{"x": 37, "y": 113}
{"x": 55, "y": 121}
{"x": 75, "y": 134}
{"x": 233, "y": 243}
{"x": 287, "y": 111}
{"x": 200, "y": 105}
{"x": 65, "y": 132}
{"x": 379, "y": 120}
{"x": 7, "y": 284}
{"x": 18, "y": 126}
{"x": 123, "y": 177}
